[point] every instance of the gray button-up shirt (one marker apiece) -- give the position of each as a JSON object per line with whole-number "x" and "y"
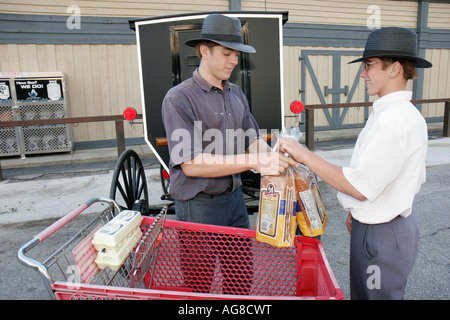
{"x": 200, "y": 118}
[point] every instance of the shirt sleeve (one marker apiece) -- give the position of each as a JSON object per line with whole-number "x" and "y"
{"x": 250, "y": 124}
{"x": 377, "y": 160}
{"x": 179, "y": 123}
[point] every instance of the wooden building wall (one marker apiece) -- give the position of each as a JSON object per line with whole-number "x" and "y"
{"x": 102, "y": 79}
{"x": 347, "y": 12}
{"x": 101, "y": 68}
{"x": 356, "y": 13}
{"x": 112, "y": 8}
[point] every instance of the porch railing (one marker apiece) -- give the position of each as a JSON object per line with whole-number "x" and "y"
{"x": 309, "y": 115}
{"x": 309, "y": 121}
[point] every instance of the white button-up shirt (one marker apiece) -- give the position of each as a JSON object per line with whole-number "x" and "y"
{"x": 388, "y": 161}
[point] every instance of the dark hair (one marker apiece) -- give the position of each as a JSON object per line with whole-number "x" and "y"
{"x": 409, "y": 69}
{"x": 209, "y": 44}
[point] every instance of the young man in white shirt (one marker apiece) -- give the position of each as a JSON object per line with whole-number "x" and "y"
{"x": 386, "y": 170}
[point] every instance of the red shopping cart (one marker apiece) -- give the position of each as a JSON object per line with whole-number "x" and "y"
{"x": 178, "y": 260}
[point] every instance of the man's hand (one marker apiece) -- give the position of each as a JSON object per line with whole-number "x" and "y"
{"x": 294, "y": 148}
{"x": 272, "y": 163}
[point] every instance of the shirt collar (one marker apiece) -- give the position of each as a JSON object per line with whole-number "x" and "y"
{"x": 205, "y": 85}
{"x": 381, "y": 103}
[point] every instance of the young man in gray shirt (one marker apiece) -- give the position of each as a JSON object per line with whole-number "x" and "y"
{"x": 212, "y": 136}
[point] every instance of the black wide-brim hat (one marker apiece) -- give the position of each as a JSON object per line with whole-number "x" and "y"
{"x": 223, "y": 30}
{"x": 393, "y": 42}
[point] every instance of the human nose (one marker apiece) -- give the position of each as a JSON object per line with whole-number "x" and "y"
{"x": 235, "y": 59}
{"x": 363, "y": 73}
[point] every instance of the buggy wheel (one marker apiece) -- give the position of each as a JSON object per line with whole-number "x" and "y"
{"x": 165, "y": 180}
{"x": 165, "y": 183}
{"x": 129, "y": 185}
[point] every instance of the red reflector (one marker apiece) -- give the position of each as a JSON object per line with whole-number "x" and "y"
{"x": 165, "y": 174}
{"x": 297, "y": 106}
{"x": 129, "y": 114}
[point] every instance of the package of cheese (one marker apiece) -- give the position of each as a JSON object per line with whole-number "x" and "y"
{"x": 276, "y": 221}
{"x": 310, "y": 212}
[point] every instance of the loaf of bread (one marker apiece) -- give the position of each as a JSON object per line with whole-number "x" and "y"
{"x": 310, "y": 212}
{"x": 276, "y": 221}
{"x": 288, "y": 200}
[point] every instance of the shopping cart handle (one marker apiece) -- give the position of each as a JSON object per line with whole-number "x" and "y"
{"x": 71, "y": 215}
{"x": 60, "y": 223}
{"x": 32, "y": 263}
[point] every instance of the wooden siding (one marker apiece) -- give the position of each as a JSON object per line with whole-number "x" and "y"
{"x": 348, "y": 12}
{"x": 439, "y": 16}
{"x": 436, "y": 81}
{"x": 291, "y": 81}
{"x": 113, "y": 8}
{"x": 100, "y": 80}
{"x": 103, "y": 79}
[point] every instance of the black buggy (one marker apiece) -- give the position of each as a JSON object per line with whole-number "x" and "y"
{"x": 164, "y": 61}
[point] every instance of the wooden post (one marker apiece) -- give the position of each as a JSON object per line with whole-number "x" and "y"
{"x": 446, "y": 129}
{"x": 309, "y": 128}
{"x": 120, "y": 137}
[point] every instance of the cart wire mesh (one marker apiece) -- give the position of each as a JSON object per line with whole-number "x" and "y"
{"x": 132, "y": 271}
{"x": 182, "y": 260}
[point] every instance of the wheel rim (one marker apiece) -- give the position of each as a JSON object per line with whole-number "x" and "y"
{"x": 129, "y": 183}
{"x": 165, "y": 183}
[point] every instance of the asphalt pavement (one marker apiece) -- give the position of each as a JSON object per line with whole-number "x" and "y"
{"x": 33, "y": 196}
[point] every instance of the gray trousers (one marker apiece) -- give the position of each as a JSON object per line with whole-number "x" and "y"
{"x": 381, "y": 258}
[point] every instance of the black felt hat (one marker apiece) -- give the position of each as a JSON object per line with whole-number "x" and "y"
{"x": 393, "y": 42}
{"x": 222, "y": 30}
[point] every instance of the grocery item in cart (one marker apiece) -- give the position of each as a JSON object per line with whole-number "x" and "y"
{"x": 117, "y": 238}
{"x": 255, "y": 270}
{"x": 310, "y": 214}
{"x": 276, "y": 221}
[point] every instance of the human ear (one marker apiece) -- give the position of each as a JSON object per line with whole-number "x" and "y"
{"x": 204, "y": 50}
{"x": 396, "y": 69}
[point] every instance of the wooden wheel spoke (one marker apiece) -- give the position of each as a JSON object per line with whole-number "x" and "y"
{"x": 129, "y": 182}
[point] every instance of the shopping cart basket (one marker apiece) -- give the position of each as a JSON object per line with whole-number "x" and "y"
{"x": 182, "y": 260}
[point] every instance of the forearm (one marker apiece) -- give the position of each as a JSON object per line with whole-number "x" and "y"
{"x": 211, "y": 166}
{"x": 259, "y": 145}
{"x": 259, "y": 158}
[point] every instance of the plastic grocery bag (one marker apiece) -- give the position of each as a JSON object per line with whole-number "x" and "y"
{"x": 287, "y": 200}
{"x": 276, "y": 223}
{"x": 310, "y": 212}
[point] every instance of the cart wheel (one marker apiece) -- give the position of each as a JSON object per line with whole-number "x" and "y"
{"x": 129, "y": 185}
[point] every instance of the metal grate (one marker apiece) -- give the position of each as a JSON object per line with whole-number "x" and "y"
{"x": 46, "y": 138}
{"x": 41, "y": 110}
{"x": 182, "y": 260}
{"x": 207, "y": 261}
{"x": 9, "y": 137}
{"x": 33, "y": 98}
